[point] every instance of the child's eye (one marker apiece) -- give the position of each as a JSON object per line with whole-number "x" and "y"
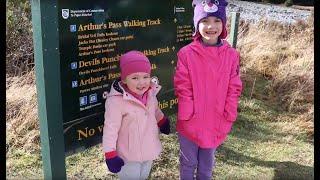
{"x": 135, "y": 78}
{"x": 204, "y": 21}
{"x": 146, "y": 77}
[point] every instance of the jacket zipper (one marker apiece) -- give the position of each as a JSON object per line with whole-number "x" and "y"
{"x": 139, "y": 133}
{"x": 140, "y": 140}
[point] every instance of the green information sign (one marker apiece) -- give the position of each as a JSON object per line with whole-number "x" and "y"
{"x": 77, "y": 48}
{"x": 77, "y": 45}
{"x": 92, "y": 37}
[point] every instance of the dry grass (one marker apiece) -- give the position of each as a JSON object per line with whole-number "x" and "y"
{"x": 22, "y": 123}
{"x": 284, "y": 54}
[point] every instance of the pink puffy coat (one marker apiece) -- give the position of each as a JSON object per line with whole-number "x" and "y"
{"x": 130, "y": 127}
{"x": 207, "y": 84}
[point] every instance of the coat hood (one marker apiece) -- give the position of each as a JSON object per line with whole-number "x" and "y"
{"x": 117, "y": 90}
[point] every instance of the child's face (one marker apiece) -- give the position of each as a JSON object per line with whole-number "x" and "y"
{"x": 210, "y": 29}
{"x": 138, "y": 82}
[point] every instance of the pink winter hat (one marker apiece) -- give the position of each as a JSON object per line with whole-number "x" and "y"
{"x": 132, "y": 62}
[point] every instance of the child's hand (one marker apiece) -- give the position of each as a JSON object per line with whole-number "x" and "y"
{"x": 164, "y": 125}
{"x": 114, "y": 164}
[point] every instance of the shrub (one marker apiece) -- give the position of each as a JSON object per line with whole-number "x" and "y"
{"x": 19, "y": 51}
{"x": 288, "y": 3}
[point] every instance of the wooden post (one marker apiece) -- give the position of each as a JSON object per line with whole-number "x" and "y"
{"x": 234, "y": 28}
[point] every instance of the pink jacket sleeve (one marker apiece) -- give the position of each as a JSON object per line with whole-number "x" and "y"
{"x": 112, "y": 124}
{"x": 159, "y": 114}
{"x": 183, "y": 89}
{"x": 234, "y": 91}
{"x": 160, "y": 117}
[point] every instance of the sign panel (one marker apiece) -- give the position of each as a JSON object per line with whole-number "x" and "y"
{"x": 92, "y": 37}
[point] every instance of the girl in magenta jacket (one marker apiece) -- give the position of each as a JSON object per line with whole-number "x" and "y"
{"x": 207, "y": 84}
{"x": 133, "y": 119}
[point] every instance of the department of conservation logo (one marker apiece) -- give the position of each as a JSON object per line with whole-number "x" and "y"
{"x": 65, "y": 13}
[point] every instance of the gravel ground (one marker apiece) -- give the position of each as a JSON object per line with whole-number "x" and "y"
{"x": 253, "y": 12}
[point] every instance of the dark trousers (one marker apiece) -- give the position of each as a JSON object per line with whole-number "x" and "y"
{"x": 193, "y": 157}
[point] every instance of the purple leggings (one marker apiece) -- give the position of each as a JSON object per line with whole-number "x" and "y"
{"x": 194, "y": 157}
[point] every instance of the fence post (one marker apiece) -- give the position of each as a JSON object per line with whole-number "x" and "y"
{"x": 234, "y": 28}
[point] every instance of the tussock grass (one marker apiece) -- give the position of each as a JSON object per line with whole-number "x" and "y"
{"x": 22, "y": 123}
{"x": 284, "y": 55}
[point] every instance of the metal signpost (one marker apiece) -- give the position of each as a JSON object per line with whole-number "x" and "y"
{"x": 234, "y": 28}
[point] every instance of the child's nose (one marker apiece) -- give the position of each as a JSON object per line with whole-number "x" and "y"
{"x": 140, "y": 81}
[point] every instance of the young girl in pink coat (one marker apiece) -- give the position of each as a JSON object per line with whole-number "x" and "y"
{"x": 133, "y": 119}
{"x": 207, "y": 84}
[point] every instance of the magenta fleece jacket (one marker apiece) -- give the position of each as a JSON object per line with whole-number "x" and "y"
{"x": 207, "y": 84}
